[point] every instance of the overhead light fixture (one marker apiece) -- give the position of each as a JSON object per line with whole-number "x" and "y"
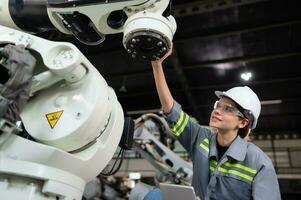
{"x": 270, "y": 102}
{"x": 246, "y": 76}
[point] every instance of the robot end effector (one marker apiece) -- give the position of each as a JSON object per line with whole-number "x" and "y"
{"x": 147, "y": 33}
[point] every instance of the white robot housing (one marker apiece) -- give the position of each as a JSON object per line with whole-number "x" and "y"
{"x": 74, "y": 118}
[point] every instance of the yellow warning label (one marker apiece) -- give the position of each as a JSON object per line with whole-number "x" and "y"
{"x": 53, "y": 118}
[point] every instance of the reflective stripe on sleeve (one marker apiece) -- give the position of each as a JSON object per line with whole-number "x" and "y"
{"x": 178, "y": 122}
{"x": 180, "y": 125}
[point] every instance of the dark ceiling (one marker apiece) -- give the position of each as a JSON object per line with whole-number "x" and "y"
{"x": 216, "y": 40}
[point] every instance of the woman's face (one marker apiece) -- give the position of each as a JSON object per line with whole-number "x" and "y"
{"x": 225, "y": 116}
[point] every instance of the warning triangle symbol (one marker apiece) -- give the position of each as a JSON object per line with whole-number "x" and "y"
{"x": 53, "y": 118}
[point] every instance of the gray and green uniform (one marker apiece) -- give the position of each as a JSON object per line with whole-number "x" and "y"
{"x": 244, "y": 171}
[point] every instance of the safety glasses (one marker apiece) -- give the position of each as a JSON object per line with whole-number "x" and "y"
{"x": 227, "y": 108}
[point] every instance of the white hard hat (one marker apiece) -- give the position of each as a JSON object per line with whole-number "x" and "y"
{"x": 245, "y": 98}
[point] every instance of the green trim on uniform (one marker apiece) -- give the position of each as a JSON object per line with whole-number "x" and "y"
{"x": 245, "y": 168}
{"x": 213, "y": 162}
{"x": 233, "y": 171}
{"x": 237, "y": 173}
{"x": 236, "y": 165}
{"x": 204, "y": 147}
{"x": 180, "y": 125}
{"x": 178, "y": 122}
{"x": 178, "y": 133}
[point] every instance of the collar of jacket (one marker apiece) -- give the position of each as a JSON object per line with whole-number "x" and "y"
{"x": 237, "y": 149}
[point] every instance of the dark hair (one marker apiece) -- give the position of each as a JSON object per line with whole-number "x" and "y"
{"x": 243, "y": 132}
{"x": 247, "y": 114}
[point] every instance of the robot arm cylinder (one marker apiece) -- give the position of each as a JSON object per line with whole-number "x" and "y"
{"x": 27, "y": 15}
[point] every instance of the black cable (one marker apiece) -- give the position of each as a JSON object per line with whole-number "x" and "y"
{"x": 113, "y": 171}
{"x": 120, "y": 153}
{"x": 120, "y": 163}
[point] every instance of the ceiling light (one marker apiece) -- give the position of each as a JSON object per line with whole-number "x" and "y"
{"x": 246, "y": 76}
{"x": 269, "y": 102}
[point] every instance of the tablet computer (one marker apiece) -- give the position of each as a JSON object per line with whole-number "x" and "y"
{"x": 173, "y": 191}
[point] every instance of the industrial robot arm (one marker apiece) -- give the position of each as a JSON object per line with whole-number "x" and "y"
{"x": 146, "y": 32}
{"x": 72, "y": 116}
{"x": 171, "y": 167}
